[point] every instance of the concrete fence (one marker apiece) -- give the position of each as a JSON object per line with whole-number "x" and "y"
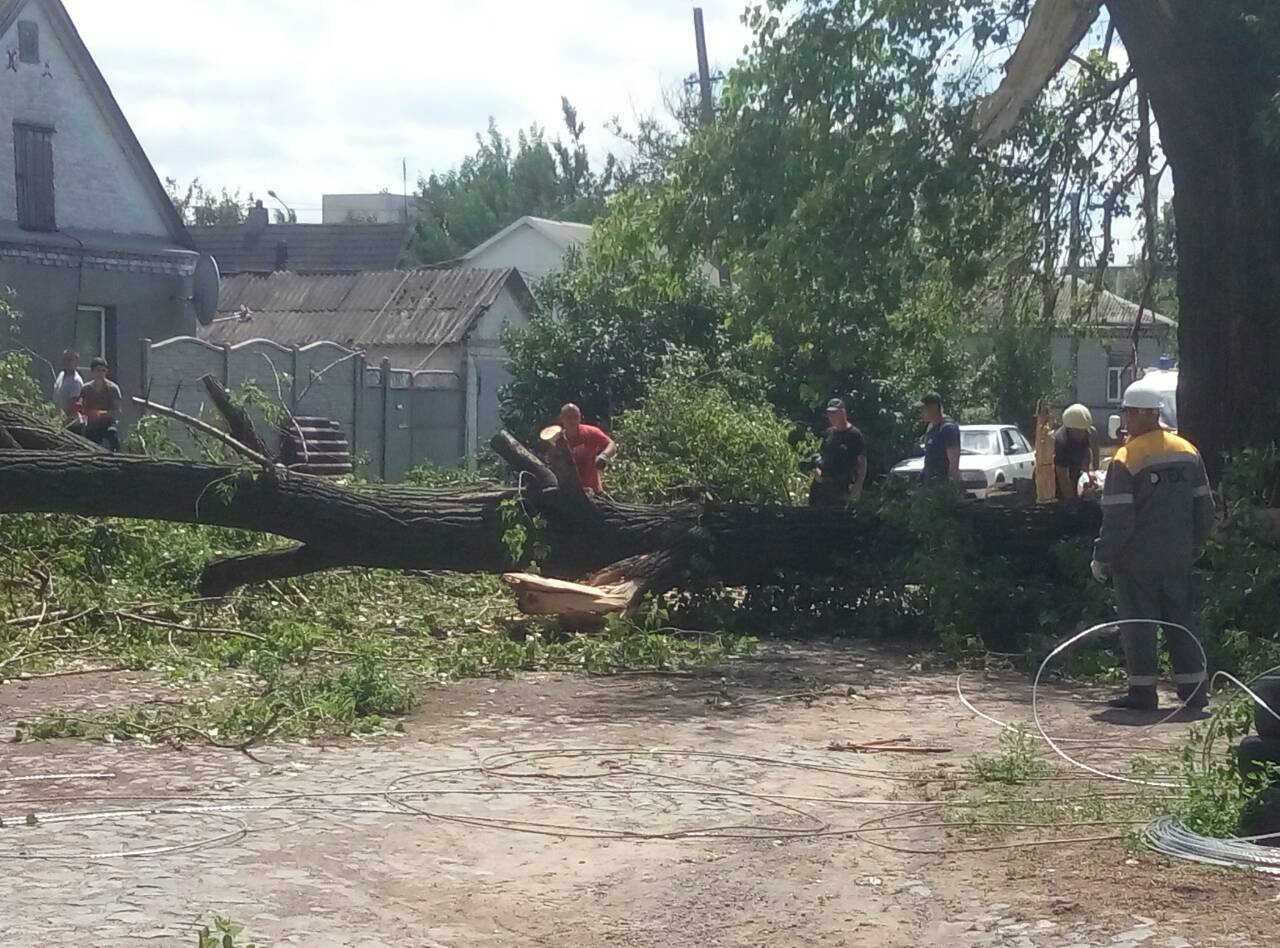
{"x": 394, "y": 419}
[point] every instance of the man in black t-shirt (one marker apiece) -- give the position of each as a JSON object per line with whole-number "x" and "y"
{"x": 941, "y": 441}
{"x": 1073, "y": 451}
{"x": 842, "y": 464}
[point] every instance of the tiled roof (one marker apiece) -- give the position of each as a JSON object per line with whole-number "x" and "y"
{"x": 303, "y": 248}
{"x": 428, "y": 306}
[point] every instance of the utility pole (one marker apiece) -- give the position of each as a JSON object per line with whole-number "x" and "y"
{"x": 707, "y": 112}
{"x": 1073, "y": 250}
{"x": 704, "y": 68}
{"x": 404, "y": 171}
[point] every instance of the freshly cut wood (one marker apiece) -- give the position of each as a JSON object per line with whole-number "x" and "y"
{"x": 544, "y": 596}
{"x": 1046, "y": 474}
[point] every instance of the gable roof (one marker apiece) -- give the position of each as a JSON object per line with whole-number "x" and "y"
{"x": 1078, "y": 305}
{"x": 428, "y": 306}
{"x": 106, "y": 102}
{"x": 564, "y": 234}
{"x": 308, "y": 248}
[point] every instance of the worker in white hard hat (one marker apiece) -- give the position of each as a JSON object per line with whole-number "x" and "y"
{"x": 1074, "y": 451}
{"x": 1157, "y": 515}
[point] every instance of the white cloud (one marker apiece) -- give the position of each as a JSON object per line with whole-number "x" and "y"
{"x": 319, "y": 96}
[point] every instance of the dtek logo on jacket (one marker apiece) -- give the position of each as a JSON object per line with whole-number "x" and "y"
{"x": 1157, "y": 509}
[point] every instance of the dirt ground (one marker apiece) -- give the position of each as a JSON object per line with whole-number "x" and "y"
{"x": 563, "y": 810}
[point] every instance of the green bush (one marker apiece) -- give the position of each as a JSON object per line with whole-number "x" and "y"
{"x": 705, "y": 435}
{"x": 605, "y": 325}
{"x": 18, "y": 383}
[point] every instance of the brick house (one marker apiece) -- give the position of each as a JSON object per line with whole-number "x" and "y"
{"x": 92, "y": 250}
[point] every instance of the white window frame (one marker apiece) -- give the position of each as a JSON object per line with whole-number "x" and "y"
{"x": 101, "y": 312}
{"x": 1115, "y": 384}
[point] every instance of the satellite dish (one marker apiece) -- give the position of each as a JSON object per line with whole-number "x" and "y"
{"x": 204, "y": 293}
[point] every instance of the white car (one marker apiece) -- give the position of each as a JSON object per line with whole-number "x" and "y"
{"x": 990, "y": 456}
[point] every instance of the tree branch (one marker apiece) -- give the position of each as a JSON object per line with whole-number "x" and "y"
{"x": 1054, "y": 29}
{"x": 238, "y": 421}
{"x": 205, "y": 428}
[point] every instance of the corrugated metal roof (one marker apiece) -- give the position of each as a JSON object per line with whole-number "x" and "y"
{"x": 428, "y": 306}
{"x": 1077, "y": 304}
{"x": 303, "y": 248}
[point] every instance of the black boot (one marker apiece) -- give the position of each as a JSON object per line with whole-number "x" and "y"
{"x": 1194, "y": 699}
{"x": 1136, "y": 699}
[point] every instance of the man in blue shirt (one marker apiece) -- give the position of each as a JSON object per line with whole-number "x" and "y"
{"x": 941, "y": 441}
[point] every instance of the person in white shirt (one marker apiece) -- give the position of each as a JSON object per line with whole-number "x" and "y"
{"x": 67, "y": 388}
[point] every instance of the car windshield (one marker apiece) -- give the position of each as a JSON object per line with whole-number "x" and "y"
{"x": 979, "y": 442}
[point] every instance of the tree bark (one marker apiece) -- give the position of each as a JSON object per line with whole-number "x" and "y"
{"x": 238, "y": 421}
{"x": 414, "y": 529}
{"x": 625, "y": 548}
{"x": 30, "y": 432}
{"x": 1210, "y": 83}
{"x": 1211, "y": 77}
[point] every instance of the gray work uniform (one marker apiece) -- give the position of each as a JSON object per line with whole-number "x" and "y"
{"x": 1157, "y": 515}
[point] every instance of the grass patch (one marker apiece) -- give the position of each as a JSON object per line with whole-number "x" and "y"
{"x": 335, "y": 652}
{"x": 1017, "y": 763}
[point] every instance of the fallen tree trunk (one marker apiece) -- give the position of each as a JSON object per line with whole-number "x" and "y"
{"x": 622, "y": 550}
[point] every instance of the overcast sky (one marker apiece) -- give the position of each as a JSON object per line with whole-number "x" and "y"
{"x": 310, "y": 97}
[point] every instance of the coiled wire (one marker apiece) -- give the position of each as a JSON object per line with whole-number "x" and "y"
{"x": 1166, "y": 835}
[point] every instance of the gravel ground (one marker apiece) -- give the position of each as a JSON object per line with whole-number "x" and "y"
{"x": 563, "y": 810}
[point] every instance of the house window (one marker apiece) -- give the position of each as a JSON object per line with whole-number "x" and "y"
{"x": 33, "y": 165}
{"x": 91, "y": 333}
{"x": 1115, "y": 384}
{"x": 29, "y": 41}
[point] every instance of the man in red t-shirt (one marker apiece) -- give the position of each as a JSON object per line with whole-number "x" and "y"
{"x": 591, "y": 447}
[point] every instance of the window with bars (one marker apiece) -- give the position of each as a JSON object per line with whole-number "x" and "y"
{"x": 33, "y": 167}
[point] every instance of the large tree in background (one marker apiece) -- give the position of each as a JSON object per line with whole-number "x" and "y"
{"x": 1212, "y": 71}
{"x": 503, "y": 181}
{"x": 864, "y": 232}
{"x": 201, "y": 207}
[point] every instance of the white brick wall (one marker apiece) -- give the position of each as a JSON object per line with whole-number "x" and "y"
{"x": 95, "y": 186}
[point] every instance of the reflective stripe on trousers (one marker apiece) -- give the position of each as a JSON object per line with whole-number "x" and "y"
{"x": 1165, "y": 598}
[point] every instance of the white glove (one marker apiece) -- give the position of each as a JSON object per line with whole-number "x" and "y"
{"x": 1101, "y": 571}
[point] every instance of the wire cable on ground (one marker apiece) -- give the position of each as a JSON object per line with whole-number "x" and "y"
{"x": 548, "y": 773}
